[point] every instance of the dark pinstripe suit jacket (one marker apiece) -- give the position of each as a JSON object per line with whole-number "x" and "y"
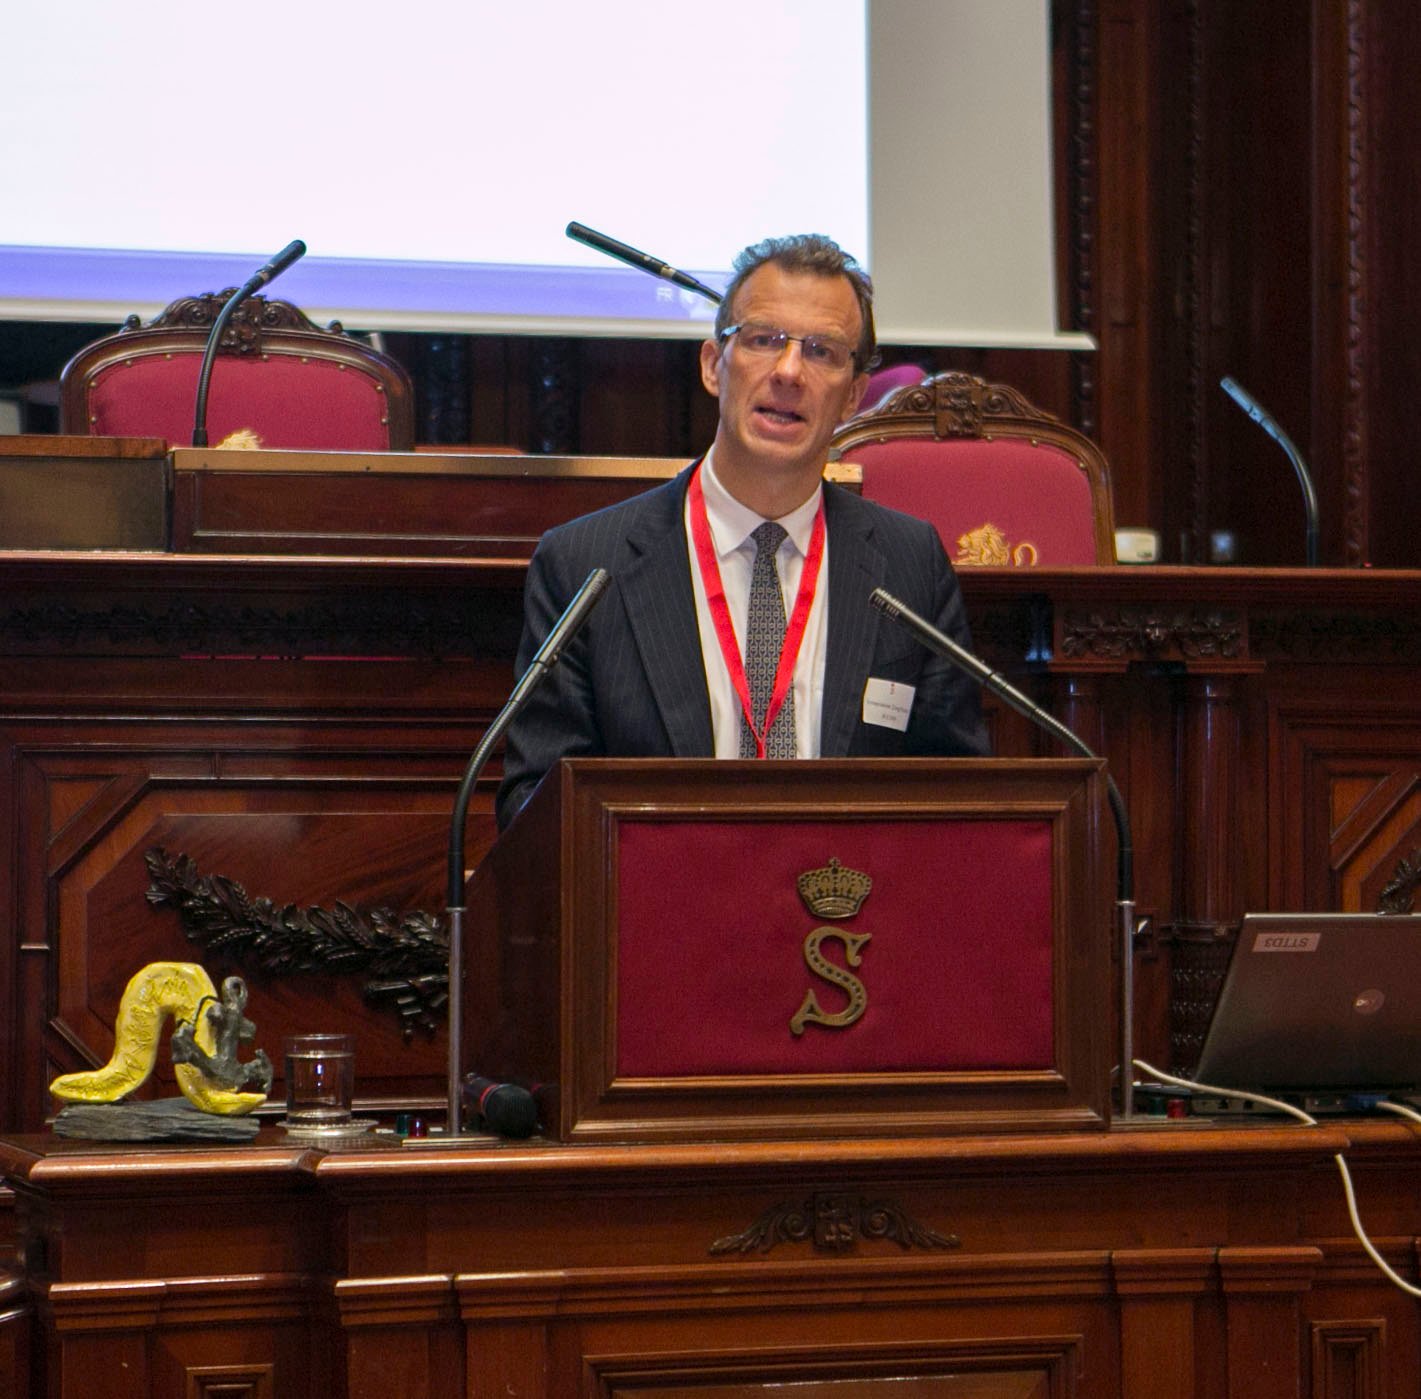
{"x": 632, "y": 684}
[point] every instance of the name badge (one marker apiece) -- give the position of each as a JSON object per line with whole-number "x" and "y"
{"x": 887, "y": 704}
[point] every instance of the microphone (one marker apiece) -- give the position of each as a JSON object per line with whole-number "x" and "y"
{"x": 508, "y": 1108}
{"x": 293, "y": 251}
{"x": 1266, "y": 421}
{"x": 549, "y": 653}
{"x": 289, "y": 254}
{"x": 643, "y": 262}
{"x": 943, "y": 645}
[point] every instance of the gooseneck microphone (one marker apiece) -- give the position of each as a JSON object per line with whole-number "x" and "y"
{"x": 290, "y": 253}
{"x": 1268, "y": 423}
{"x": 943, "y": 645}
{"x": 549, "y": 653}
{"x": 643, "y": 262}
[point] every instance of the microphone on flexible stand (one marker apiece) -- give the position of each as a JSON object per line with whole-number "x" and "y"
{"x": 990, "y": 679}
{"x": 1268, "y": 423}
{"x": 643, "y": 262}
{"x": 290, "y": 253}
{"x": 549, "y": 653}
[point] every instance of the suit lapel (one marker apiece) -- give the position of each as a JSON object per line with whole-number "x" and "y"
{"x": 661, "y": 607}
{"x": 856, "y": 568}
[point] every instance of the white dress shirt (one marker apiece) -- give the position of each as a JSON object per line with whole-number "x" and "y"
{"x": 731, "y": 527}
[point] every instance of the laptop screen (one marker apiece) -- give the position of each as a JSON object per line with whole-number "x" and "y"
{"x": 1319, "y": 1001}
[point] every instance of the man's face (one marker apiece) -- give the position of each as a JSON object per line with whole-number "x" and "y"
{"x": 777, "y": 413}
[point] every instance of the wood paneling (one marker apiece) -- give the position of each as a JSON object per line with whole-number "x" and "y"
{"x": 1175, "y": 1260}
{"x": 299, "y": 726}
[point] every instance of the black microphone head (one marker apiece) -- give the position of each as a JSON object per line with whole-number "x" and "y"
{"x": 507, "y": 1108}
{"x": 292, "y": 252}
{"x": 885, "y": 602}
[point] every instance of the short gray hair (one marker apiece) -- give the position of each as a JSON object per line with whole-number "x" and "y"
{"x": 815, "y": 254}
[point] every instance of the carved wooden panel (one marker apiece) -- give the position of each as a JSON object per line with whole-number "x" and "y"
{"x": 863, "y": 1356}
{"x": 1346, "y": 792}
{"x": 1159, "y": 1290}
{"x": 1154, "y": 1260}
{"x": 1262, "y": 1286}
{"x": 1010, "y": 1385}
{"x": 309, "y": 815}
{"x": 1347, "y": 1359}
{"x": 230, "y": 1382}
{"x": 15, "y": 1324}
{"x": 402, "y": 1337}
{"x": 1026, "y": 1368}
{"x": 215, "y": 1337}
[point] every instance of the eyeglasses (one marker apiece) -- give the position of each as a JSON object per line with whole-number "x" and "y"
{"x": 818, "y": 351}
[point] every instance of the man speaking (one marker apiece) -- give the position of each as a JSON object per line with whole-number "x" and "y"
{"x": 738, "y": 622}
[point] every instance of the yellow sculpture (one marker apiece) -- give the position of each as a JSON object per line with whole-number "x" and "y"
{"x": 204, "y": 1045}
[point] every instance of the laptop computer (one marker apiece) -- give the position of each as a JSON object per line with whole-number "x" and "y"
{"x": 1319, "y": 1009}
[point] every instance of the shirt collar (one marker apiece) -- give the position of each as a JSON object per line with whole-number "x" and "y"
{"x": 732, "y": 524}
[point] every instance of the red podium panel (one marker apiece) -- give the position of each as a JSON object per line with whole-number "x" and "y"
{"x": 694, "y": 950}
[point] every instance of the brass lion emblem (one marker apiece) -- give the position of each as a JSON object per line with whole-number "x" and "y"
{"x": 987, "y": 546}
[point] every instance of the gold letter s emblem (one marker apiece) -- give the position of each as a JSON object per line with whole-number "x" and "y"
{"x": 821, "y": 966}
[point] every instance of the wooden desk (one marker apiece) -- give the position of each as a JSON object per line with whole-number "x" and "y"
{"x": 298, "y": 724}
{"x": 1174, "y": 1261}
{"x": 70, "y": 492}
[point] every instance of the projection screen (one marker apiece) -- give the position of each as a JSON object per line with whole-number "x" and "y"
{"x": 431, "y": 155}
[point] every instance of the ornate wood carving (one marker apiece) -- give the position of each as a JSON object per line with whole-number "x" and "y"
{"x": 1195, "y": 519}
{"x": 383, "y": 624}
{"x": 960, "y": 405}
{"x": 1399, "y": 893}
{"x": 557, "y": 382}
{"x": 242, "y": 335}
{"x": 833, "y": 1221}
{"x": 1201, "y": 956}
{"x": 444, "y": 396}
{"x": 1129, "y": 633}
{"x": 404, "y": 959}
{"x": 1354, "y": 397}
{"x": 1335, "y": 636}
{"x": 1083, "y": 198}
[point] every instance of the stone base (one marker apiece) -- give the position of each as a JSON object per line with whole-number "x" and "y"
{"x": 167, "y": 1120}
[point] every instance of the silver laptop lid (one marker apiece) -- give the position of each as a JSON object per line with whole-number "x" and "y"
{"x": 1319, "y": 1000}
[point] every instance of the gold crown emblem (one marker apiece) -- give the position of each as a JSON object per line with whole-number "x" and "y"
{"x": 833, "y": 891}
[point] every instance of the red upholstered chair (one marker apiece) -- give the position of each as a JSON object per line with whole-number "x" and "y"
{"x": 1003, "y": 481}
{"x": 278, "y": 381}
{"x": 883, "y": 382}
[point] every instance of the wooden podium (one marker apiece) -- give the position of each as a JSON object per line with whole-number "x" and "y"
{"x": 680, "y": 950}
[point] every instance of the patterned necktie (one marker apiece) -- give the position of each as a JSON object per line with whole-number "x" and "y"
{"x": 764, "y": 636}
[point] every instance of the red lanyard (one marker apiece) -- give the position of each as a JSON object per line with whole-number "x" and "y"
{"x": 720, "y": 611}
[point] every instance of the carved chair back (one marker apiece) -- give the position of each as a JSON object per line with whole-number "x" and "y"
{"x": 1004, "y": 481}
{"x": 278, "y": 381}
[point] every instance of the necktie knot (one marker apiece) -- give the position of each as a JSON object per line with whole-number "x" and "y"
{"x": 768, "y": 539}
